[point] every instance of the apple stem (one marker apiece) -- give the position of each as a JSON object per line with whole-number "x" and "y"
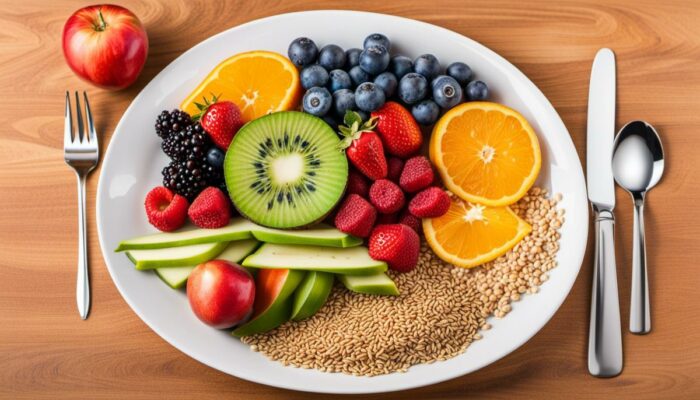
{"x": 103, "y": 24}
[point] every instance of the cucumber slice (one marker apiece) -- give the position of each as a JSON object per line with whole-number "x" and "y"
{"x": 370, "y": 284}
{"x": 175, "y": 256}
{"x": 238, "y": 229}
{"x": 350, "y": 261}
{"x": 312, "y": 294}
{"x": 319, "y": 235}
{"x": 176, "y": 277}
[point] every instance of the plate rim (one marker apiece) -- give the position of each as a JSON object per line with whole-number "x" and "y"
{"x": 388, "y": 387}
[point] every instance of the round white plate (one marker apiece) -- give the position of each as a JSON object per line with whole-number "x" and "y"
{"x": 133, "y": 163}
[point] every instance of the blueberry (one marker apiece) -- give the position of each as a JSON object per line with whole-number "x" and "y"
{"x": 343, "y": 100}
{"x": 400, "y": 66}
{"x": 388, "y": 82}
{"x": 426, "y": 112}
{"x": 331, "y": 122}
{"x": 313, "y": 75}
{"x": 446, "y": 91}
{"x": 461, "y": 72}
{"x": 317, "y": 101}
{"x": 374, "y": 59}
{"x": 369, "y": 97}
{"x": 427, "y": 65}
{"x": 215, "y": 157}
{"x": 413, "y": 88}
{"x": 477, "y": 90}
{"x": 331, "y": 57}
{"x": 358, "y": 75}
{"x": 377, "y": 39}
{"x": 352, "y": 58}
{"x": 302, "y": 51}
{"x": 339, "y": 79}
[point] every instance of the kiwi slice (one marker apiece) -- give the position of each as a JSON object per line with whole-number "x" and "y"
{"x": 285, "y": 170}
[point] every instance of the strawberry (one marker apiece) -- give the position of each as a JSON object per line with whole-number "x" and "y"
{"x": 395, "y": 166}
{"x": 386, "y": 196}
{"x": 355, "y": 216}
{"x": 417, "y": 174}
{"x": 363, "y": 146}
{"x": 165, "y": 210}
{"x": 220, "y": 119}
{"x": 357, "y": 184}
{"x": 400, "y": 133}
{"x": 210, "y": 209}
{"x": 397, "y": 245}
{"x": 430, "y": 203}
{"x": 411, "y": 221}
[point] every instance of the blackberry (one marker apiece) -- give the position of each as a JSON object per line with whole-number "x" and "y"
{"x": 188, "y": 144}
{"x": 189, "y": 177}
{"x": 169, "y": 122}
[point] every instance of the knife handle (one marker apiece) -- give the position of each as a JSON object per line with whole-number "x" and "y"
{"x": 605, "y": 336}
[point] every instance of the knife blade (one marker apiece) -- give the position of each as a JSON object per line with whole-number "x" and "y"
{"x": 601, "y": 131}
{"x": 604, "y": 336}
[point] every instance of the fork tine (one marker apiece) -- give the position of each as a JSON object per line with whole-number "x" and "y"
{"x": 68, "y": 124}
{"x": 80, "y": 134}
{"x": 90, "y": 125}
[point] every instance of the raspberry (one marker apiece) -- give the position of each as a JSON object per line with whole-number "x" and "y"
{"x": 357, "y": 184}
{"x": 356, "y": 216}
{"x": 210, "y": 209}
{"x": 385, "y": 219}
{"x": 417, "y": 174}
{"x": 430, "y": 203}
{"x": 165, "y": 210}
{"x": 397, "y": 245}
{"x": 410, "y": 221}
{"x": 395, "y": 166}
{"x": 386, "y": 196}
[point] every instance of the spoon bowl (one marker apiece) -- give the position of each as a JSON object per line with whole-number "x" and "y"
{"x": 638, "y": 163}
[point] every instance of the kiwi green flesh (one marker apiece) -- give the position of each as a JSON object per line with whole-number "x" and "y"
{"x": 285, "y": 170}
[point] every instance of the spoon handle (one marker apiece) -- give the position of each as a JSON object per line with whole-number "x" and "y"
{"x": 640, "y": 315}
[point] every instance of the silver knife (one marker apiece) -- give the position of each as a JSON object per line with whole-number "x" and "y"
{"x": 605, "y": 336}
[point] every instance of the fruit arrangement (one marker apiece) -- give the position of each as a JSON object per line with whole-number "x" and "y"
{"x": 365, "y": 79}
{"x": 353, "y": 158}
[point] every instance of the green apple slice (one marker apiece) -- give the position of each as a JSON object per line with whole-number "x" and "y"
{"x": 238, "y": 229}
{"x": 370, "y": 284}
{"x": 273, "y": 300}
{"x": 176, "y": 277}
{"x": 319, "y": 235}
{"x": 311, "y": 295}
{"x": 184, "y": 256}
{"x": 348, "y": 261}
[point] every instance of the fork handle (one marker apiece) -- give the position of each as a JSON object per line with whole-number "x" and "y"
{"x": 83, "y": 284}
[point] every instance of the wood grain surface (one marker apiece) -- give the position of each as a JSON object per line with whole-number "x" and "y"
{"x": 47, "y": 352}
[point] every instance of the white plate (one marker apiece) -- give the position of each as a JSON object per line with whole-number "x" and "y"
{"x": 133, "y": 163}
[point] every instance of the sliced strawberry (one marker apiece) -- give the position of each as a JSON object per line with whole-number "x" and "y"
{"x": 417, "y": 174}
{"x": 432, "y": 202}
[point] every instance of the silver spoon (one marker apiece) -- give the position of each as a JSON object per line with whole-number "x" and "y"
{"x": 638, "y": 163}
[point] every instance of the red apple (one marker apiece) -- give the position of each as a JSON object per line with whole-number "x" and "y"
{"x": 221, "y": 293}
{"x": 105, "y": 45}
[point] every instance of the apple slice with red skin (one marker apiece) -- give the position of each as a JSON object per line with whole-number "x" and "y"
{"x": 273, "y": 300}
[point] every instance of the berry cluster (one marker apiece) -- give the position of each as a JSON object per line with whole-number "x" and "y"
{"x": 364, "y": 79}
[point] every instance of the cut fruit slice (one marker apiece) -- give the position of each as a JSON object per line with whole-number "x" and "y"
{"x": 175, "y": 256}
{"x": 238, "y": 229}
{"x": 176, "y": 277}
{"x": 273, "y": 302}
{"x": 350, "y": 261}
{"x": 319, "y": 235}
{"x": 471, "y": 234}
{"x": 311, "y": 295}
{"x": 258, "y": 82}
{"x": 486, "y": 153}
{"x": 285, "y": 170}
{"x": 370, "y": 284}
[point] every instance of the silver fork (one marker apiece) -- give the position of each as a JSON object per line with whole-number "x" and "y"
{"x": 82, "y": 153}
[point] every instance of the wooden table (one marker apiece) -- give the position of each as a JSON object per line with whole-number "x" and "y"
{"x": 46, "y": 351}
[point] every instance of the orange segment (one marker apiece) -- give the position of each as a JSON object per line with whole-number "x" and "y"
{"x": 258, "y": 82}
{"x": 486, "y": 153}
{"x": 471, "y": 234}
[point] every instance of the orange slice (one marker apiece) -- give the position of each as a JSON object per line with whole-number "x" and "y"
{"x": 472, "y": 234}
{"x": 258, "y": 82}
{"x": 486, "y": 153}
